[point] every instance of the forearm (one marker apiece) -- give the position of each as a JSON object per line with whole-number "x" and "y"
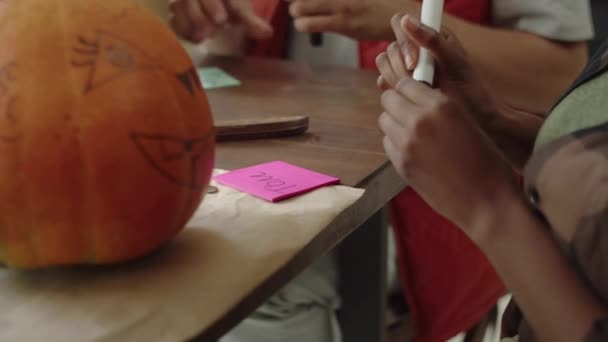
{"x": 527, "y": 71}
{"x": 514, "y": 132}
{"x": 552, "y": 297}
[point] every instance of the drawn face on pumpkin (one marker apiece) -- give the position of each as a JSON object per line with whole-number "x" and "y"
{"x": 105, "y": 133}
{"x": 108, "y": 57}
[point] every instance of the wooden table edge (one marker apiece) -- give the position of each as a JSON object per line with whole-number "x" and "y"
{"x": 380, "y": 188}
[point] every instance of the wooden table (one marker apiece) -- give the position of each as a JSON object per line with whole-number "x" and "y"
{"x": 343, "y": 141}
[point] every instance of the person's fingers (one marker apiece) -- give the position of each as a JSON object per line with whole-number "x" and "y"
{"x": 179, "y": 19}
{"x": 443, "y": 46}
{"x": 386, "y": 70}
{"x": 382, "y": 84}
{"x": 417, "y": 92}
{"x": 255, "y": 26}
{"x": 201, "y": 25}
{"x": 396, "y": 156}
{"x": 392, "y": 129}
{"x": 412, "y": 53}
{"x": 400, "y": 108}
{"x": 397, "y": 29}
{"x": 216, "y": 10}
{"x": 396, "y": 59}
{"x": 407, "y": 47}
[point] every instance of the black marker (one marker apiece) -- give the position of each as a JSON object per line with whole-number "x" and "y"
{"x": 316, "y": 39}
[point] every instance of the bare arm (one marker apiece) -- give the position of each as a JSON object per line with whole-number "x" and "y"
{"x": 527, "y": 71}
{"x": 462, "y": 176}
{"x": 518, "y": 64}
{"x": 470, "y": 184}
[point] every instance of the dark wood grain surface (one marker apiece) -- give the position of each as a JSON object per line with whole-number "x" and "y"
{"x": 343, "y": 139}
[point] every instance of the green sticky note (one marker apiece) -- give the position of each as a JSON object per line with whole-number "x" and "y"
{"x": 213, "y": 78}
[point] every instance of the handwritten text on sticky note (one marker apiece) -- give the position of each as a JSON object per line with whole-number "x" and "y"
{"x": 275, "y": 181}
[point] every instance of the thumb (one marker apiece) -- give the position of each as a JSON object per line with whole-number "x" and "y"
{"x": 445, "y": 48}
{"x": 255, "y": 26}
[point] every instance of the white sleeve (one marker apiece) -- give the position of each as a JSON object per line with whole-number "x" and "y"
{"x": 566, "y": 20}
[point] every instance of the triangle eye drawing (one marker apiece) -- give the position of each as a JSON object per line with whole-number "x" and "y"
{"x": 179, "y": 160}
{"x": 190, "y": 80}
{"x": 108, "y": 58}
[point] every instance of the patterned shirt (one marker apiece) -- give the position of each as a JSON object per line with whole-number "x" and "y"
{"x": 567, "y": 183}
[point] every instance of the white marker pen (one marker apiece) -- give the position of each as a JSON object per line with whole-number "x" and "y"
{"x": 432, "y": 11}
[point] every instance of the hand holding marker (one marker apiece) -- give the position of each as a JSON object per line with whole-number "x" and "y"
{"x": 432, "y": 11}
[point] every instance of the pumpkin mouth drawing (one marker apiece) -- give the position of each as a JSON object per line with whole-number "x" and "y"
{"x": 170, "y": 155}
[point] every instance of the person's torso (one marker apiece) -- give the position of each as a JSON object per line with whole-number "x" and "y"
{"x": 582, "y": 106}
{"x": 564, "y": 177}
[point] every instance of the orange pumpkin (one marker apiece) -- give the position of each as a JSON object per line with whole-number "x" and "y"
{"x": 106, "y": 136}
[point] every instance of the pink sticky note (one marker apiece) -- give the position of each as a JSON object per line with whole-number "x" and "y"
{"x": 275, "y": 181}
